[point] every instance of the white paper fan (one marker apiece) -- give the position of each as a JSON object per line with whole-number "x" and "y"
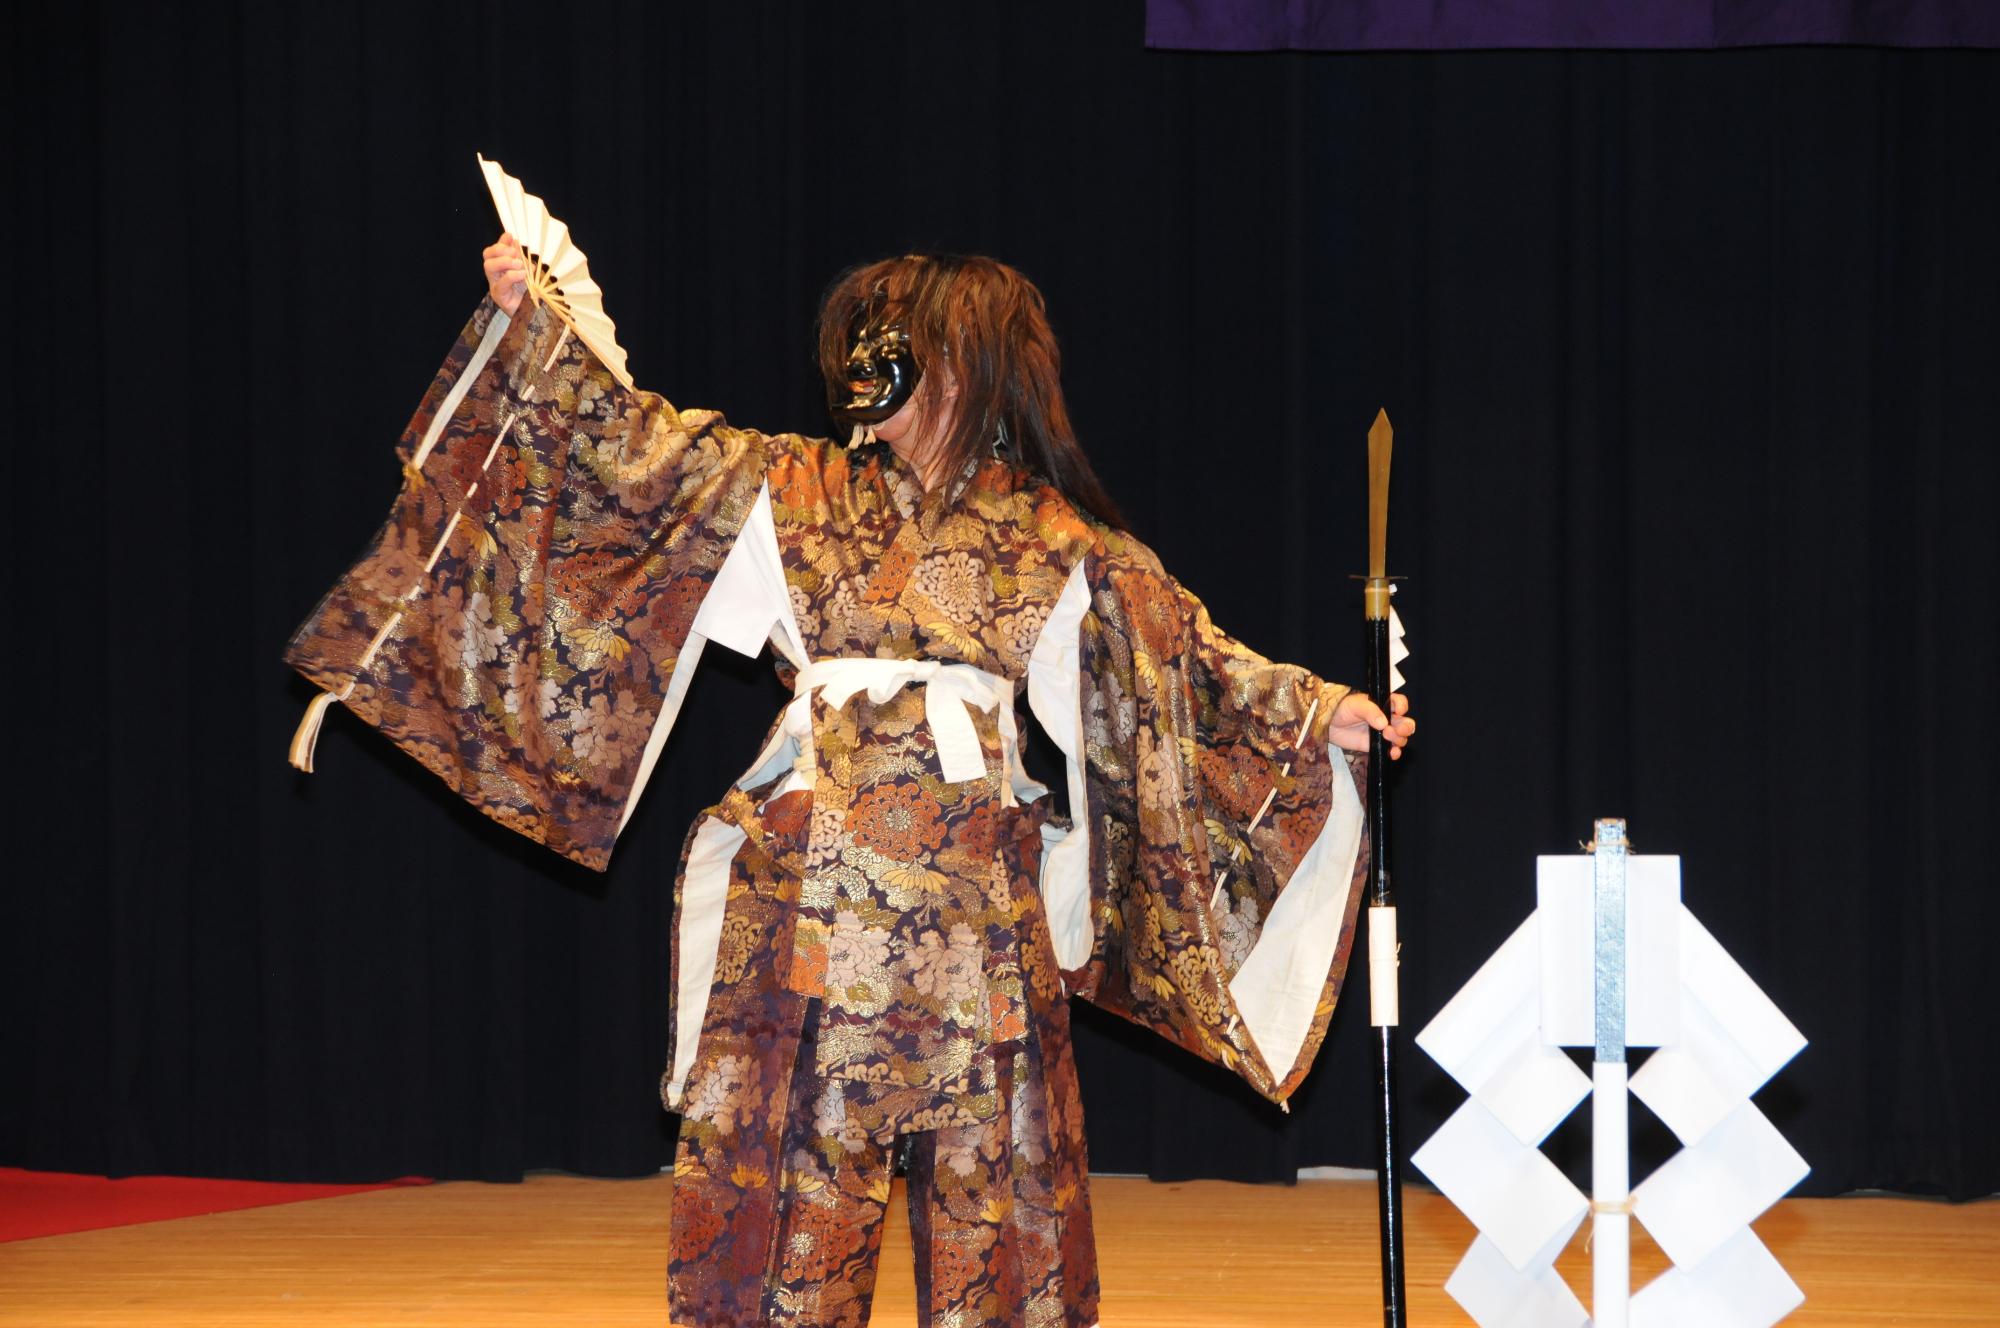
{"x": 558, "y": 272}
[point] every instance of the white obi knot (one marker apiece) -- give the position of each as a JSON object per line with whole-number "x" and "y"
{"x": 951, "y": 692}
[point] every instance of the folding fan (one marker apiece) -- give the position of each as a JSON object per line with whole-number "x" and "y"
{"x": 558, "y": 272}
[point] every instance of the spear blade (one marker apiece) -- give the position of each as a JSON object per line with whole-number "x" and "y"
{"x": 1381, "y": 441}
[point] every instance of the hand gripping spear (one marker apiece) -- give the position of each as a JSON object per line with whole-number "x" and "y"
{"x": 1382, "y": 988}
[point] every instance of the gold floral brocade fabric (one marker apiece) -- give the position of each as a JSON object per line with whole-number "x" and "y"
{"x": 529, "y": 596}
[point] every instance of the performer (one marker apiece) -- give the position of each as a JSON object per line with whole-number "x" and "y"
{"x": 877, "y": 925}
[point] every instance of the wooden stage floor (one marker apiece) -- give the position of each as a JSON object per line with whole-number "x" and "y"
{"x": 561, "y": 1249}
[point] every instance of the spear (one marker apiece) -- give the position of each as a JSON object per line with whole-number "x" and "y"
{"x": 1382, "y": 987}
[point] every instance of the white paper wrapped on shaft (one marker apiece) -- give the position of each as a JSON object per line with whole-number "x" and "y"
{"x": 1385, "y": 1009}
{"x": 1610, "y": 1184}
{"x": 562, "y": 274}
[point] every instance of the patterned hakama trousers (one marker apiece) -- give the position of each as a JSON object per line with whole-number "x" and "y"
{"x": 780, "y": 1192}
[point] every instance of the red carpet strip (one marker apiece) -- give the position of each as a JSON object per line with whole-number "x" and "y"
{"x": 50, "y": 1203}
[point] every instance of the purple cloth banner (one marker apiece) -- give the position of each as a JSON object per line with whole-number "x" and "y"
{"x": 1423, "y": 25}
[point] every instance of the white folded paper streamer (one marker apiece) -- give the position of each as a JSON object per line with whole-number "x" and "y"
{"x": 1495, "y": 1294}
{"x": 1732, "y": 1040}
{"x": 1518, "y": 1199}
{"x": 1488, "y": 1037}
{"x": 1719, "y": 1039}
{"x": 1398, "y": 651}
{"x": 1740, "y": 1285}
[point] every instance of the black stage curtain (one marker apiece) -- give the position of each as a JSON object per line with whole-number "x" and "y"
{"x": 1691, "y": 358}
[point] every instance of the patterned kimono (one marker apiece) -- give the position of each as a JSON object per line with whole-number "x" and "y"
{"x": 878, "y": 924}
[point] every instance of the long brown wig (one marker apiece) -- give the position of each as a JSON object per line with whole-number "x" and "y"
{"x": 984, "y": 324}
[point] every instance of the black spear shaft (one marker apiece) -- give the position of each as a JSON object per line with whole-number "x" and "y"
{"x": 1381, "y": 897}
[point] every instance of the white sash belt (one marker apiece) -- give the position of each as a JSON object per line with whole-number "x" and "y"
{"x": 951, "y": 691}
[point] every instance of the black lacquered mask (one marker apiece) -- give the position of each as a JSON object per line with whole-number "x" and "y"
{"x": 882, "y": 373}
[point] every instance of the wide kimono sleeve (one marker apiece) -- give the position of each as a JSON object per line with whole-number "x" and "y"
{"x": 523, "y": 624}
{"x": 1208, "y": 884}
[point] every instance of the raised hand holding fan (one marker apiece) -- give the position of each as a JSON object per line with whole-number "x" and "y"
{"x": 558, "y": 270}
